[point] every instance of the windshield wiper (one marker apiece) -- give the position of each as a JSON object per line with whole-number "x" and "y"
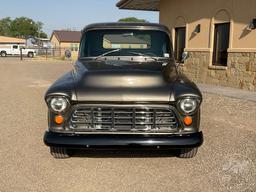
{"x": 143, "y": 54}
{"x": 107, "y": 53}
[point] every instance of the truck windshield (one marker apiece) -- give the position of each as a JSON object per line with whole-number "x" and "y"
{"x": 128, "y": 43}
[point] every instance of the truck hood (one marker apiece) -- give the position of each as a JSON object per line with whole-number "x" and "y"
{"x": 132, "y": 82}
{"x": 102, "y": 82}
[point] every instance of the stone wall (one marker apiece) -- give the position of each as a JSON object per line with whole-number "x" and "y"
{"x": 239, "y": 73}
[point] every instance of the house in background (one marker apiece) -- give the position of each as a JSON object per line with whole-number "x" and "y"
{"x": 37, "y": 42}
{"x": 66, "y": 40}
{"x": 11, "y": 43}
{"x": 220, "y": 37}
{"x": 11, "y": 40}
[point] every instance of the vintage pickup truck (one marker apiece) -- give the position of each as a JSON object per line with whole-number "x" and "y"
{"x": 125, "y": 91}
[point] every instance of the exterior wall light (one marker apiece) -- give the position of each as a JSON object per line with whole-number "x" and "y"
{"x": 197, "y": 29}
{"x": 252, "y": 25}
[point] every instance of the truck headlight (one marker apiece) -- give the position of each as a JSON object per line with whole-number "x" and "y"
{"x": 58, "y": 104}
{"x": 188, "y": 105}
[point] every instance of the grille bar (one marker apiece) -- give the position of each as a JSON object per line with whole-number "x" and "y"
{"x": 160, "y": 119}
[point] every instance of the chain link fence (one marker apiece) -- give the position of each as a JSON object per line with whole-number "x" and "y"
{"x": 47, "y": 53}
{"x": 58, "y": 53}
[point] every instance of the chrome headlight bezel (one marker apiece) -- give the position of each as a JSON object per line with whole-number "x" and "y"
{"x": 63, "y": 99}
{"x": 181, "y": 105}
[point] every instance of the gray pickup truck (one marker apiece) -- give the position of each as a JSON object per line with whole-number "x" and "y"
{"x": 125, "y": 91}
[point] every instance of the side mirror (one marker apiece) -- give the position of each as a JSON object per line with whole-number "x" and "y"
{"x": 184, "y": 56}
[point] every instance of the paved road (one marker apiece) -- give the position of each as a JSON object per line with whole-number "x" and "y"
{"x": 225, "y": 162}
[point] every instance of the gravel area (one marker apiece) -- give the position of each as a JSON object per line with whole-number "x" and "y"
{"x": 225, "y": 162}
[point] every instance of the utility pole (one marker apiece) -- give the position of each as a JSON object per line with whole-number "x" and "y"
{"x": 21, "y": 56}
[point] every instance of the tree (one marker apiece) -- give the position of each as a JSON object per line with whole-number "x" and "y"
{"x": 133, "y": 20}
{"x": 24, "y": 27}
{"x": 43, "y": 35}
{"x": 40, "y": 33}
{"x": 5, "y": 24}
{"x": 21, "y": 27}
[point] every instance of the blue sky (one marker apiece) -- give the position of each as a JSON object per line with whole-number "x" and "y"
{"x": 68, "y": 14}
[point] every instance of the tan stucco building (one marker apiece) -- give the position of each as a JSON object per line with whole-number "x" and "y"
{"x": 66, "y": 40}
{"x": 220, "y": 37}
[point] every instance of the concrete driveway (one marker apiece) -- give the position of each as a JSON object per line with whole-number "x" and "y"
{"x": 225, "y": 162}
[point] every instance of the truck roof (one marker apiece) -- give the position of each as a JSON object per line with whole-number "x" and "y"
{"x": 123, "y": 25}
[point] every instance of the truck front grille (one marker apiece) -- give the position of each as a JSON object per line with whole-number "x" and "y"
{"x": 144, "y": 119}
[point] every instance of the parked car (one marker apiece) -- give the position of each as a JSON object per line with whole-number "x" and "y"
{"x": 15, "y": 49}
{"x": 125, "y": 91}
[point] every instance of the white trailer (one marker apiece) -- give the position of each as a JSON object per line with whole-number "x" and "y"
{"x": 15, "y": 49}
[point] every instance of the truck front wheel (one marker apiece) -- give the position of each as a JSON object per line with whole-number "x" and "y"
{"x": 30, "y": 54}
{"x": 3, "y": 54}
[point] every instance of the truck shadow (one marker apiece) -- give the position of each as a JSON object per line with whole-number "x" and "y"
{"x": 124, "y": 153}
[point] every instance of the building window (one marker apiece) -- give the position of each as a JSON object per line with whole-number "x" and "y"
{"x": 115, "y": 46}
{"x": 76, "y": 47}
{"x": 221, "y": 44}
{"x": 180, "y": 39}
{"x": 71, "y": 47}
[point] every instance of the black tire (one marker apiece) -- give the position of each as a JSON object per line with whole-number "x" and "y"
{"x": 187, "y": 153}
{"x": 59, "y": 152}
{"x": 3, "y": 54}
{"x": 30, "y": 54}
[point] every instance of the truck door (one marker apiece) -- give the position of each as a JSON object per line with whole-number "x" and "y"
{"x": 15, "y": 50}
